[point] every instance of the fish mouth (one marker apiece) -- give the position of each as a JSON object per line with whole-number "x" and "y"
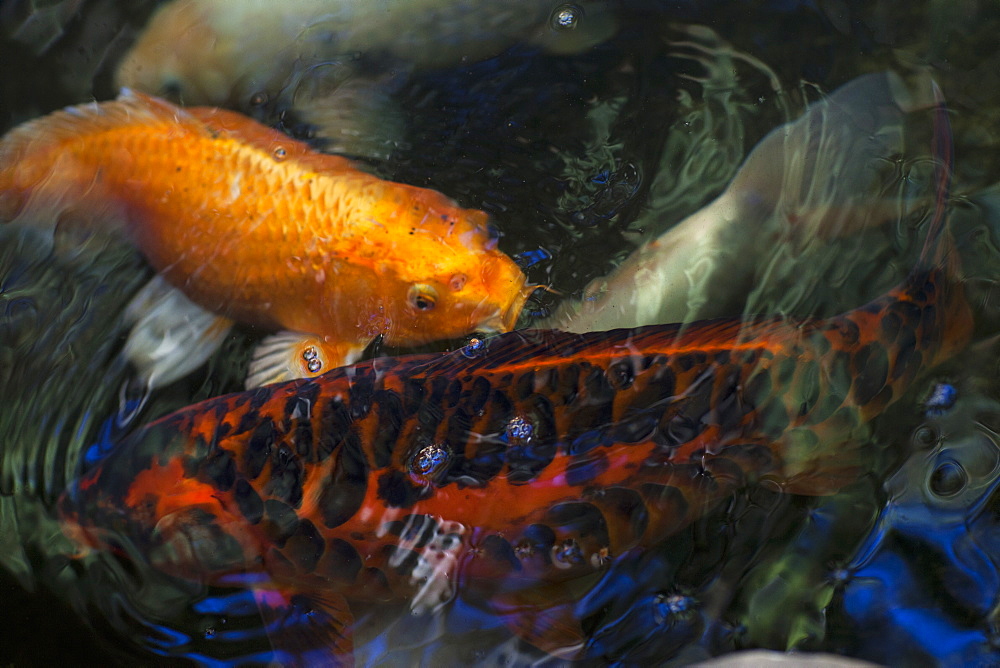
{"x": 504, "y": 320}
{"x": 513, "y": 312}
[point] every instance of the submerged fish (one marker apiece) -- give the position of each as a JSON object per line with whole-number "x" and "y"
{"x": 258, "y": 228}
{"x": 817, "y": 178}
{"x": 515, "y": 469}
{"x": 333, "y": 60}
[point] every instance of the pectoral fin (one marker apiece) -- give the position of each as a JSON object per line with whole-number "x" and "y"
{"x": 290, "y": 355}
{"x": 171, "y": 336}
{"x": 311, "y": 629}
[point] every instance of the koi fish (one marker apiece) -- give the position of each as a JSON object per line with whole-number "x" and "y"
{"x": 804, "y": 180}
{"x": 317, "y": 55}
{"x": 516, "y": 468}
{"x": 258, "y": 228}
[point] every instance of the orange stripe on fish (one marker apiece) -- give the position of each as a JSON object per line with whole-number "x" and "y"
{"x": 257, "y": 227}
{"x": 524, "y": 464}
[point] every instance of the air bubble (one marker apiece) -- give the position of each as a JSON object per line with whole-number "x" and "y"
{"x": 840, "y": 576}
{"x": 565, "y": 17}
{"x": 948, "y": 479}
{"x": 429, "y": 462}
{"x": 567, "y": 553}
{"x": 668, "y": 607}
{"x": 519, "y": 431}
{"x": 309, "y": 353}
{"x": 925, "y": 436}
{"x": 474, "y": 348}
{"x": 314, "y": 365}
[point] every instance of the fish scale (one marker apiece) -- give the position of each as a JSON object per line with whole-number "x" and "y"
{"x": 515, "y": 469}
{"x": 621, "y": 439}
{"x": 257, "y": 227}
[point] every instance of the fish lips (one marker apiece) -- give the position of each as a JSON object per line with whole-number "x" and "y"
{"x": 506, "y": 320}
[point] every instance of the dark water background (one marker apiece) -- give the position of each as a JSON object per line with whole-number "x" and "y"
{"x": 575, "y": 156}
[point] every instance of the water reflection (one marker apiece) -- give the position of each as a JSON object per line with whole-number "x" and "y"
{"x": 904, "y": 571}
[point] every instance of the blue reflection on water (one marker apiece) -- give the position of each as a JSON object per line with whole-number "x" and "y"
{"x": 941, "y": 400}
{"x": 239, "y": 603}
{"x": 924, "y": 583}
{"x": 109, "y": 434}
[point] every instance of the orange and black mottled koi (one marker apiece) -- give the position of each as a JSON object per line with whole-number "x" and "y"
{"x": 515, "y": 465}
{"x": 541, "y": 458}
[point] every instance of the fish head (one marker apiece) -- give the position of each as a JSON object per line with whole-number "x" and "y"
{"x": 484, "y": 293}
{"x": 180, "y": 57}
{"x": 452, "y": 280}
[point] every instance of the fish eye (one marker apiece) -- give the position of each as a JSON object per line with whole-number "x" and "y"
{"x": 422, "y": 297}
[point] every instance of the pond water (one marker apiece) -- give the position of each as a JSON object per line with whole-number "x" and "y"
{"x": 647, "y": 163}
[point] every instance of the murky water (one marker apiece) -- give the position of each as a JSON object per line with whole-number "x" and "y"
{"x": 731, "y": 127}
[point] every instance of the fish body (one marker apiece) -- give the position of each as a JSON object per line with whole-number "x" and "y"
{"x": 515, "y": 468}
{"x": 224, "y": 52}
{"x": 816, "y": 178}
{"x": 259, "y": 228}
{"x": 331, "y": 68}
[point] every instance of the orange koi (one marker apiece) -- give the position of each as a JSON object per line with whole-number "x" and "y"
{"x": 517, "y": 468}
{"x": 261, "y": 229}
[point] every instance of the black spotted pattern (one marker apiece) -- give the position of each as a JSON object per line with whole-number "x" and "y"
{"x": 341, "y": 562}
{"x": 287, "y": 477}
{"x": 397, "y": 490}
{"x": 872, "y": 372}
{"x": 590, "y": 414}
{"x": 248, "y": 501}
{"x": 498, "y": 549}
{"x": 525, "y": 385}
{"x": 280, "y": 521}
{"x": 344, "y": 490}
{"x": 298, "y": 414}
{"x": 335, "y": 423}
{"x": 389, "y": 409}
{"x": 362, "y": 393}
{"x": 620, "y": 375}
{"x": 219, "y": 469}
{"x": 258, "y": 450}
{"x": 478, "y": 395}
{"x": 305, "y": 547}
{"x": 582, "y": 519}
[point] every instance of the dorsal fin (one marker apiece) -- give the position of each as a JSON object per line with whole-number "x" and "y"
{"x": 131, "y": 108}
{"x": 271, "y": 141}
{"x": 135, "y": 108}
